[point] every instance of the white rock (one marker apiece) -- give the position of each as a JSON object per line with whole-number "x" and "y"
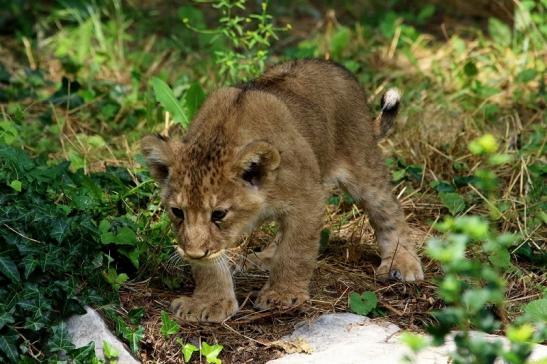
{"x": 90, "y": 327}
{"x": 345, "y": 338}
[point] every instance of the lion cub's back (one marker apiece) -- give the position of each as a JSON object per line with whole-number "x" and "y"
{"x": 327, "y": 102}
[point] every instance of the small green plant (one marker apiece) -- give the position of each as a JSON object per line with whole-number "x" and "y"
{"x": 58, "y": 232}
{"x": 111, "y": 354}
{"x": 168, "y": 327}
{"x": 363, "y": 304}
{"x": 209, "y": 352}
{"x": 246, "y": 37}
{"x": 474, "y": 258}
{"x": 182, "y": 110}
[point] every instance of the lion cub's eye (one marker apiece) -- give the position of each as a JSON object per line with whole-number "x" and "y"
{"x": 178, "y": 213}
{"x": 218, "y": 215}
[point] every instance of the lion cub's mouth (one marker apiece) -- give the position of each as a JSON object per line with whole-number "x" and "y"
{"x": 205, "y": 259}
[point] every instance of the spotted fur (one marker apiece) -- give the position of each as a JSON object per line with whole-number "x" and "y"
{"x": 271, "y": 149}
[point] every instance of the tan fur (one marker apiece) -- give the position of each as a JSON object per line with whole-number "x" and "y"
{"x": 268, "y": 150}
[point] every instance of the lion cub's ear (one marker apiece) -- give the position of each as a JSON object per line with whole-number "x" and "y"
{"x": 256, "y": 161}
{"x": 159, "y": 155}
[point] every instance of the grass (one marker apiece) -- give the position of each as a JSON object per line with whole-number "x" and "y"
{"x": 78, "y": 86}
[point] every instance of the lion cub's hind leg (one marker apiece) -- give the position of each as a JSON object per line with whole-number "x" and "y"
{"x": 365, "y": 178}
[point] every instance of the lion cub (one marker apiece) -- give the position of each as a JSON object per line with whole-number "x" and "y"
{"x": 272, "y": 149}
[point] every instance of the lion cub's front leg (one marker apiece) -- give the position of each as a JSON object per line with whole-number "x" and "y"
{"x": 213, "y": 299}
{"x": 294, "y": 261}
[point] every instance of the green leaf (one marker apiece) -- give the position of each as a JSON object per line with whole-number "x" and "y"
{"x": 426, "y": 13}
{"x": 526, "y": 75}
{"x": 499, "y": 31}
{"x": 475, "y": 299}
{"x": 187, "y": 351}
{"x": 6, "y": 318}
{"x": 60, "y": 340}
{"x": 166, "y": 97}
{"x": 135, "y": 315}
{"x": 453, "y": 201}
{"x": 193, "y": 98}
{"x": 363, "y": 304}
{"x": 470, "y": 69}
{"x": 116, "y": 280}
{"x": 398, "y": 175}
{"x": 134, "y": 338}
{"x": 447, "y": 252}
{"x": 8, "y": 131}
{"x": 9, "y": 269}
{"x": 7, "y": 346}
{"x": 499, "y": 158}
{"x": 415, "y": 342}
{"x": 169, "y": 327}
{"x": 500, "y": 258}
{"x": 210, "y": 352}
{"x": 59, "y": 230}
{"x": 126, "y": 236}
{"x": 537, "y": 310}
{"x": 16, "y": 185}
{"x": 324, "y": 239}
{"x": 340, "y": 41}
{"x": 520, "y": 334}
{"x": 84, "y": 354}
{"x": 485, "y": 144}
{"x": 110, "y": 352}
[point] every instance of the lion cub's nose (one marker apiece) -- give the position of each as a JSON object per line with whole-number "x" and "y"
{"x": 196, "y": 253}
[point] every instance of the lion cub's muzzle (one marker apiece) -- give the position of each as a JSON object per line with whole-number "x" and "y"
{"x": 198, "y": 254}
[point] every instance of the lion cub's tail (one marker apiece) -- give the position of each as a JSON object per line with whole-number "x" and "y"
{"x": 390, "y": 107}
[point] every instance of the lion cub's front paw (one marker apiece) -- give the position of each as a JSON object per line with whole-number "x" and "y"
{"x": 273, "y": 298}
{"x": 204, "y": 309}
{"x": 404, "y": 266}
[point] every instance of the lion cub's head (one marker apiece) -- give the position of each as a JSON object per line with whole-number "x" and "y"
{"x": 213, "y": 191}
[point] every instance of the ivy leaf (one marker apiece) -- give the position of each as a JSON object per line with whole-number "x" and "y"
{"x": 537, "y": 310}
{"x": 60, "y": 340}
{"x": 84, "y": 354}
{"x": 135, "y": 315}
{"x": 30, "y": 264}
{"x": 59, "y": 230}
{"x": 453, "y": 201}
{"x": 126, "y": 236}
{"x": 363, "y": 304}
{"x": 6, "y": 318}
{"x": 187, "y": 351}
{"x": 116, "y": 280}
{"x": 7, "y": 346}
{"x": 134, "y": 338}
{"x": 9, "y": 269}
{"x": 210, "y": 352}
{"x": 166, "y": 97}
{"x": 169, "y": 327}
{"x": 110, "y": 352}
{"x": 16, "y": 185}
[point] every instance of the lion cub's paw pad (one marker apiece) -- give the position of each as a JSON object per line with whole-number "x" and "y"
{"x": 204, "y": 310}
{"x": 404, "y": 267}
{"x": 275, "y": 299}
